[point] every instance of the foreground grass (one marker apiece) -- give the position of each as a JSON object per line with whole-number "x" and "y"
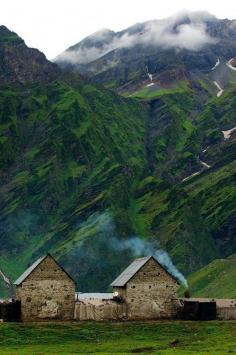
{"x": 118, "y": 338}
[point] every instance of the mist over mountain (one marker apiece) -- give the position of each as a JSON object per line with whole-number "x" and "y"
{"x": 169, "y": 49}
{"x": 185, "y": 31}
{"x": 156, "y": 153}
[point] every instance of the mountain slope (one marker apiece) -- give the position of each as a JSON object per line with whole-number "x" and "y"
{"x": 20, "y": 64}
{"x": 84, "y": 170}
{"x": 215, "y": 280}
{"x": 60, "y": 151}
{"x": 160, "y": 52}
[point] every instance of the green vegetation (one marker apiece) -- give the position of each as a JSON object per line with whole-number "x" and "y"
{"x": 111, "y": 156}
{"x": 149, "y": 93}
{"x": 71, "y": 150}
{"x": 9, "y": 37}
{"x": 119, "y": 338}
{"x": 80, "y": 166}
{"x": 215, "y": 280}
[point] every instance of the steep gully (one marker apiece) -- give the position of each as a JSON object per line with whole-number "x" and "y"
{"x": 220, "y": 92}
{"x": 229, "y": 64}
{"x": 152, "y": 127}
{"x": 157, "y": 124}
{"x": 227, "y": 134}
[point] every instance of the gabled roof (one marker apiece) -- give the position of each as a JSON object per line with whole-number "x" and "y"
{"x": 132, "y": 269}
{"x": 29, "y": 271}
{"x": 34, "y": 266}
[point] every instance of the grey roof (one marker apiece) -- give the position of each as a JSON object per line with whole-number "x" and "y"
{"x": 28, "y": 271}
{"x": 33, "y": 267}
{"x": 96, "y": 295}
{"x": 130, "y": 271}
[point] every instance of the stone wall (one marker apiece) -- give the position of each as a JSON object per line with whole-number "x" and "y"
{"x": 151, "y": 293}
{"x": 47, "y": 293}
{"x": 226, "y": 313}
{"x": 99, "y": 310}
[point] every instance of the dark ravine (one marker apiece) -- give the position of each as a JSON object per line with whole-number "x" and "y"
{"x": 157, "y": 122}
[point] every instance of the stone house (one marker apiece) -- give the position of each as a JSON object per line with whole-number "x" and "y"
{"x": 148, "y": 290}
{"x": 46, "y": 291}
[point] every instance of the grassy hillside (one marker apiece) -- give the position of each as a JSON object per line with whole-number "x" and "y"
{"x": 83, "y": 170}
{"x": 80, "y": 165}
{"x": 65, "y": 154}
{"x": 118, "y": 338}
{"x": 215, "y": 280}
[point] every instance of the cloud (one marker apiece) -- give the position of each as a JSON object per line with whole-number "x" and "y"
{"x": 183, "y": 31}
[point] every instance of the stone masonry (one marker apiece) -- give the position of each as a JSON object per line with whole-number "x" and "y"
{"x": 150, "y": 293}
{"x": 47, "y": 293}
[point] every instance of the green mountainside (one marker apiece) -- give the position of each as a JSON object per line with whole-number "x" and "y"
{"x": 215, "y": 280}
{"x": 84, "y": 170}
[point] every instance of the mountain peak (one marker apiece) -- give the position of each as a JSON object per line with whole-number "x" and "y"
{"x": 9, "y": 36}
{"x": 20, "y": 64}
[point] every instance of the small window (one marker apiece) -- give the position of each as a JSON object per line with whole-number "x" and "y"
{"x": 132, "y": 300}
{"x": 150, "y": 286}
{"x": 167, "y": 286}
{"x": 133, "y": 286}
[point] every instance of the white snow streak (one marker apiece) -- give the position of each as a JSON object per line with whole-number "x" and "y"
{"x": 216, "y": 65}
{"x": 229, "y": 65}
{"x": 220, "y": 92}
{"x": 227, "y": 134}
{"x": 150, "y": 76}
{"x": 5, "y": 279}
{"x": 205, "y": 164}
{"x": 204, "y": 150}
{"x": 189, "y": 177}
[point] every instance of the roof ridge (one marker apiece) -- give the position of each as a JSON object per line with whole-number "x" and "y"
{"x": 33, "y": 266}
{"x": 29, "y": 270}
{"x": 130, "y": 271}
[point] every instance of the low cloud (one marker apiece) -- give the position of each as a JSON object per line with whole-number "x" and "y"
{"x": 184, "y": 31}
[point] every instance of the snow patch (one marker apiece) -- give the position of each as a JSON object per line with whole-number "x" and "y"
{"x": 150, "y": 76}
{"x": 227, "y": 134}
{"x": 190, "y": 176}
{"x": 229, "y": 65}
{"x": 216, "y": 65}
{"x": 5, "y": 279}
{"x": 204, "y": 150}
{"x": 220, "y": 92}
{"x": 205, "y": 164}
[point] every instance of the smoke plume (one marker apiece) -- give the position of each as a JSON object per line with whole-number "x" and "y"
{"x": 140, "y": 247}
{"x": 101, "y": 254}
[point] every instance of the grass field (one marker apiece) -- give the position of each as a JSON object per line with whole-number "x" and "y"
{"x": 118, "y": 338}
